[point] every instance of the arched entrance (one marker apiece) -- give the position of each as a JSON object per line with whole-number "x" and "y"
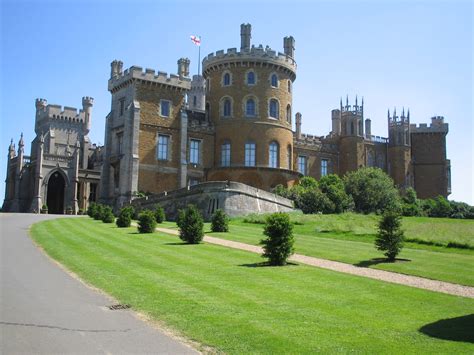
{"x": 55, "y": 198}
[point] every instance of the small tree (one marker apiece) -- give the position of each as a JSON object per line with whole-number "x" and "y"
{"x": 146, "y": 222}
{"x": 191, "y": 225}
{"x": 107, "y": 215}
{"x": 390, "y": 236}
{"x": 278, "y": 246}
{"x": 125, "y": 217}
{"x": 159, "y": 214}
{"x": 220, "y": 221}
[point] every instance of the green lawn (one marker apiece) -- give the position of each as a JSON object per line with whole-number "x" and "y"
{"x": 217, "y": 296}
{"x": 350, "y": 237}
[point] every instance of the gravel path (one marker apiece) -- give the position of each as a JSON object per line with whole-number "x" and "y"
{"x": 393, "y": 277}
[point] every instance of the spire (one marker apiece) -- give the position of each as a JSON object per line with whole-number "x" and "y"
{"x": 362, "y": 101}
{"x": 388, "y": 113}
{"x": 21, "y": 143}
{"x": 403, "y": 112}
{"x": 395, "y": 113}
{"x": 408, "y": 115}
{"x": 356, "y": 100}
{"x": 347, "y": 99}
{"x": 341, "y": 103}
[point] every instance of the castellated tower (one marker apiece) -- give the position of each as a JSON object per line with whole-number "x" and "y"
{"x": 349, "y": 126}
{"x": 197, "y": 94}
{"x": 399, "y": 151}
{"x": 431, "y": 169}
{"x": 249, "y": 102}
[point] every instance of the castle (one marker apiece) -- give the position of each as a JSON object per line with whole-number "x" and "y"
{"x": 232, "y": 123}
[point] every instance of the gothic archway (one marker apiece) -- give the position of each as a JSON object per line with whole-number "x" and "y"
{"x": 55, "y": 198}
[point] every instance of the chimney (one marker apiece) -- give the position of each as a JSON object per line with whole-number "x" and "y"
{"x": 298, "y": 125}
{"x": 368, "y": 130}
{"x": 289, "y": 46}
{"x": 183, "y": 67}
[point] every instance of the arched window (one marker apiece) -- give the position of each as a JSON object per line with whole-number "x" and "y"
{"x": 274, "y": 80}
{"x": 250, "y": 108}
{"x": 289, "y": 85}
{"x": 273, "y": 109}
{"x": 208, "y": 110}
{"x": 289, "y": 157}
{"x": 273, "y": 155}
{"x": 250, "y": 78}
{"x": 250, "y": 153}
{"x": 288, "y": 113}
{"x": 226, "y": 80}
{"x": 227, "y": 109}
{"x": 225, "y": 153}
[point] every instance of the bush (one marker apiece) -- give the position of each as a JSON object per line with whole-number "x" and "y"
{"x": 146, "y": 222}
{"x": 219, "y": 221}
{"x": 333, "y": 187}
{"x": 107, "y": 216}
{"x": 191, "y": 225}
{"x": 98, "y": 212}
{"x": 411, "y": 210}
{"x": 390, "y": 236}
{"x": 313, "y": 201}
{"x": 460, "y": 210}
{"x": 372, "y": 190}
{"x": 440, "y": 208}
{"x": 278, "y": 246}
{"x": 159, "y": 214}
{"x": 92, "y": 209}
{"x": 125, "y": 217}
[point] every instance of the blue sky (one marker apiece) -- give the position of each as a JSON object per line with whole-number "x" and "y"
{"x": 404, "y": 53}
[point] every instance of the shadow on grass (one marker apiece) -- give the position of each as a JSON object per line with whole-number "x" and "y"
{"x": 180, "y": 243}
{"x": 266, "y": 264}
{"x": 455, "y": 329}
{"x": 376, "y": 261}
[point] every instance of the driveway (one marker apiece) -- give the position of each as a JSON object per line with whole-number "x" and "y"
{"x": 45, "y": 310}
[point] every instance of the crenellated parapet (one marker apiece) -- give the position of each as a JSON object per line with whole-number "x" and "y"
{"x": 258, "y": 55}
{"x": 437, "y": 126}
{"x": 121, "y": 79}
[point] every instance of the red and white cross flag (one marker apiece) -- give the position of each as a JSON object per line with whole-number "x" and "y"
{"x": 196, "y": 40}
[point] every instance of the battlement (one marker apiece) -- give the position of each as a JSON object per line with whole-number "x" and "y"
{"x": 45, "y": 111}
{"x": 254, "y": 54}
{"x": 355, "y": 109}
{"x": 137, "y": 73}
{"x": 309, "y": 139}
{"x": 437, "y": 126}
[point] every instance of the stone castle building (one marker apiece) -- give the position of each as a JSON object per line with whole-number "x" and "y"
{"x": 232, "y": 123}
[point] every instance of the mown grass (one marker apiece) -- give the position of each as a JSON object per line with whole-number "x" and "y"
{"x": 350, "y": 238}
{"x": 218, "y": 297}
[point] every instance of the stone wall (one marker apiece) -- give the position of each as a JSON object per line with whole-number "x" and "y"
{"x": 236, "y": 199}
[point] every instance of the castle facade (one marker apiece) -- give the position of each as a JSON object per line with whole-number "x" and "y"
{"x": 232, "y": 123}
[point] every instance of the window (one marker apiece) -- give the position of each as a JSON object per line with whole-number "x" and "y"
{"x": 122, "y": 106}
{"x": 226, "y": 80}
{"x": 289, "y": 85}
{"x": 193, "y": 181}
{"x": 288, "y": 113}
{"x": 227, "y": 109}
{"x": 250, "y": 78}
{"x": 194, "y": 151}
{"x": 273, "y": 109}
{"x": 163, "y": 144}
{"x": 274, "y": 80}
{"x": 249, "y": 154}
{"x": 194, "y": 101}
{"x": 324, "y": 167}
{"x": 273, "y": 155}
{"x": 225, "y": 154}
{"x": 302, "y": 164}
{"x": 288, "y": 156}
{"x": 250, "y": 108}
{"x": 165, "y": 108}
{"x": 352, "y": 127}
{"x": 120, "y": 143}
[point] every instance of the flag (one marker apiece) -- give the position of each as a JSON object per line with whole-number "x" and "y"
{"x": 196, "y": 40}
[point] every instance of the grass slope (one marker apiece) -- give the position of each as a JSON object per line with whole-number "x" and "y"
{"x": 217, "y": 296}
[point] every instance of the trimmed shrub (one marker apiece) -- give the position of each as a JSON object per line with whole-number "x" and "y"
{"x": 98, "y": 212}
{"x": 191, "y": 225}
{"x": 180, "y": 218}
{"x": 92, "y": 209}
{"x": 312, "y": 200}
{"x": 219, "y": 221}
{"x": 390, "y": 236}
{"x": 159, "y": 214}
{"x": 146, "y": 222}
{"x": 107, "y": 215}
{"x": 278, "y": 246}
{"x": 125, "y": 217}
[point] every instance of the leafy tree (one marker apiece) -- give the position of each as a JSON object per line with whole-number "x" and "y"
{"x": 107, "y": 215}
{"x": 411, "y": 205}
{"x": 159, "y": 214}
{"x": 146, "y": 222}
{"x": 219, "y": 221}
{"x": 312, "y": 200}
{"x": 125, "y": 217}
{"x": 372, "y": 190}
{"x": 390, "y": 236}
{"x": 278, "y": 246}
{"x": 308, "y": 182}
{"x": 460, "y": 210}
{"x": 191, "y": 225}
{"x": 410, "y": 196}
{"x": 441, "y": 208}
{"x": 333, "y": 187}
{"x": 282, "y": 191}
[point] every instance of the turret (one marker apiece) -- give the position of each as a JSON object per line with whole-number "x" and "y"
{"x": 298, "y": 125}
{"x": 336, "y": 121}
{"x": 183, "y": 67}
{"x": 399, "y": 128}
{"x": 11, "y": 150}
{"x": 368, "y": 128}
{"x": 197, "y": 94}
{"x": 87, "y": 103}
{"x": 41, "y": 104}
{"x": 245, "y": 37}
{"x": 289, "y": 46}
{"x": 116, "y": 68}
{"x": 21, "y": 145}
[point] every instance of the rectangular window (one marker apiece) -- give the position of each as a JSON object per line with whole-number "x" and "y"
{"x": 249, "y": 154}
{"x": 194, "y": 151}
{"x": 165, "y": 108}
{"x": 225, "y": 154}
{"x": 163, "y": 147}
{"x": 302, "y": 160}
{"x": 194, "y": 101}
{"x": 120, "y": 143}
{"x": 324, "y": 167}
{"x": 122, "y": 106}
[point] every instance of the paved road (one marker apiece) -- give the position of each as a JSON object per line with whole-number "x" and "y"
{"x": 45, "y": 310}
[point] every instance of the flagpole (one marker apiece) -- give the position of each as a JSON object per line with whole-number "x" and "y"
{"x": 199, "y": 58}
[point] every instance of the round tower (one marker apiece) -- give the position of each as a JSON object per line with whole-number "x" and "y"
{"x": 249, "y": 101}
{"x": 87, "y": 103}
{"x": 197, "y": 94}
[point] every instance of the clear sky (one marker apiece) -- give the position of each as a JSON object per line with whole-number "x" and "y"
{"x": 412, "y": 54}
